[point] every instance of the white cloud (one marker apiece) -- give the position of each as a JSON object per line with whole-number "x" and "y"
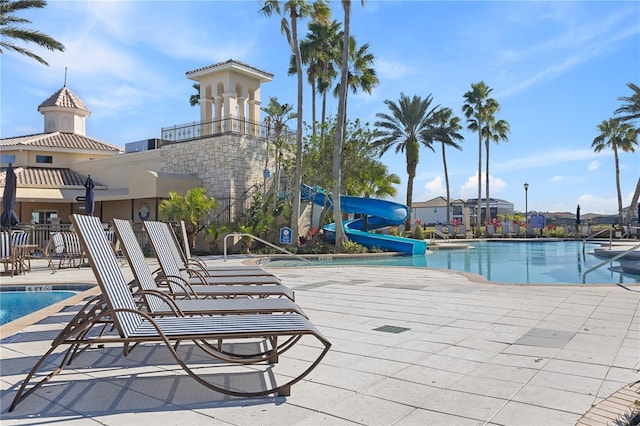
{"x": 432, "y": 189}
{"x": 592, "y": 204}
{"x": 558, "y": 157}
{"x": 594, "y": 165}
{"x": 556, "y": 179}
{"x": 470, "y": 188}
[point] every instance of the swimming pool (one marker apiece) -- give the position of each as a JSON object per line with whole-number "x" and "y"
{"x": 16, "y": 304}
{"x": 516, "y": 262}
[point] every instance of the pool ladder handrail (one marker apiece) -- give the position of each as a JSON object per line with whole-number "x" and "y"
{"x": 614, "y": 258}
{"x": 238, "y": 234}
{"x": 439, "y": 234}
{"x": 592, "y": 236}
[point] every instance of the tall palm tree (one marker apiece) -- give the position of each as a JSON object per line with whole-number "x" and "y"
{"x": 477, "y": 105}
{"x": 633, "y": 204}
{"x": 317, "y": 51}
{"x": 411, "y": 123}
{"x": 336, "y": 165}
{"x": 448, "y": 128}
{"x": 616, "y": 136}
{"x": 493, "y": 131}
{"x": 277, "y": 116}
{"x": 361, "y": 74}
{"x": 295, "y": 10}
{"x": 631, "y": 109}
{"x": 10, "y": 29}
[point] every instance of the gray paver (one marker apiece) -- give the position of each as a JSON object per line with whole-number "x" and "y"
{"x": 475, "y": 353}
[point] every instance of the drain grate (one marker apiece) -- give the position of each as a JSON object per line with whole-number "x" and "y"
{"x": 391, "y": 329}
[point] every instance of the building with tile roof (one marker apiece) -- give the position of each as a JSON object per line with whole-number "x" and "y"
{"x": 226, "y": 153}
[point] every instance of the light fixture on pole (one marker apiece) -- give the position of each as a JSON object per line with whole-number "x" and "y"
{"x": 526, "y": 202}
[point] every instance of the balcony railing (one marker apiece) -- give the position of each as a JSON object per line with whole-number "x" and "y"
{"x": 198, "y": 130}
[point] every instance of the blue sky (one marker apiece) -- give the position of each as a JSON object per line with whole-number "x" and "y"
{"x": 557, "y": 69}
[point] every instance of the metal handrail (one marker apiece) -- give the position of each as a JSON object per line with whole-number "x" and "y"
{"x": 614, "y": 258}
{"x": 439, "y": 234}
{"x": 592, "y": 236}
{"x": 235, "y": 234}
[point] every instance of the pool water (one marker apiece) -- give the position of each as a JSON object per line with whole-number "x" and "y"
{"x": 16, "y": 304}
{"x": 561, "y": 262}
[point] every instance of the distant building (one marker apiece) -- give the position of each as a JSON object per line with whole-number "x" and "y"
{"x": 434, "y": 211}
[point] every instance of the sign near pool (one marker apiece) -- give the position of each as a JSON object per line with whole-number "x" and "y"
{"x": 537, "y": 221}
{"x": 38, "y": 288}
{"x": 285, "y": 235}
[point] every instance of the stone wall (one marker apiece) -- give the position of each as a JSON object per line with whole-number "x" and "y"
{"x": 227, "y": 164}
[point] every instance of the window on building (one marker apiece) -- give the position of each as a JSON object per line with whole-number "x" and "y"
{"x": 44, "y": 159}
{"x": 43, "y": 216}
{"x": 7, "y": 158}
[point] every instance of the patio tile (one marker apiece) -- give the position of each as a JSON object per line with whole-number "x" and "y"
{"x": 555, "y": 399}
{"x": 429, "y": 417}
{"x": 402, "y": 391}
{"x": 428, "y": 376}
{"x": 517, "y": 413}
{"x": 366, "y": 409}
{"x": 464, "y": 404}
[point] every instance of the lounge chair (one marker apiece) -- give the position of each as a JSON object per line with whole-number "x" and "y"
{"x": 133, "y": 327}
{"x": 516, "y": 230}
{"x": 491, "y": 231}
{"x": 506, "y": 229}
{"x": 200, "y": 264}
{"x": 529, "y": 232}
{"x": 171, "y": 266}
{"x": 462, "y": 231}
{"x": 159, "y": 303}
{"x": 6, "y": 257}
{"x": 160, "y": 230}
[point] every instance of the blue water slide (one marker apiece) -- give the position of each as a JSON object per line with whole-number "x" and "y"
{"x": 378, "y": 213}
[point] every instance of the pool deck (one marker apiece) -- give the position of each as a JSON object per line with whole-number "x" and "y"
{"x": 468, "y": 353}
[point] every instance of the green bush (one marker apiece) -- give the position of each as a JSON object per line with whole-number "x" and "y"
{"x": 418, "y": 233}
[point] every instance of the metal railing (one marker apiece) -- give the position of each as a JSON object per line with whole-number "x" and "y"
{"x": 592, "y": 236}
{"x": 440, "y": 234}
{"x": 263, "y": 242}
{"x": 201, "y": 129}
{"x": 614, "y": 258}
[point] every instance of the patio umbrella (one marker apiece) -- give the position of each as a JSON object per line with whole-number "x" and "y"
{"x": 9, "y": 218}
{"x": 578, "y": 215}
{"x": 89, "y": 185}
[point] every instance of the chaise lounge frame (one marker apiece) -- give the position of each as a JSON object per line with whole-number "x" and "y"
{"x": 117, "y": 307}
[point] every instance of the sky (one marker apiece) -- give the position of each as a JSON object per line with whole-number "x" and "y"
{"x": 556, "y": 68}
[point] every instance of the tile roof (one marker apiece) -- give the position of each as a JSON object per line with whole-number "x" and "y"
{"x": 64, "y": 98}
{"x": 43, "y": 177}
{"x": 230, "y": 62}
{"x": 60, "y": 140}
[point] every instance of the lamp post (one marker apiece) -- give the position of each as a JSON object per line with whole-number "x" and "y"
{"x": 526, "y": 202}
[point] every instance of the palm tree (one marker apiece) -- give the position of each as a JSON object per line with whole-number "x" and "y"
{"x": 448, "y": 128}
{"x": 376, "y": 181}
{"x": 476, "y": 108}
{"x": 317, "y": 52}
{"x": 190, "y": 207}
{"x": 361, "y": 74}
{"x": 411, "y": 123}
{"x": 616, "y": 136}
{"x": 631, "y": 109}
{"x": 277, "y": 116}
{"x": 493, "y": 131}
{"x": 296, "y": 9}
{"x": 634, "y": 203}
{"x": 194, "y": 99}
{"x": 10, "y": 29}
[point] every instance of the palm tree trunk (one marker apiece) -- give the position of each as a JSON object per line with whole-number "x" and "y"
{"x": 446, "y": 181}
{"x": 615, "y": 156}
{"x": 486, "y": 178}
{"x": 313, "y": 107}
{"x": 297, "y": 183}
{"x": 337, "y": 148}
{"x": 633, "y": 205}
{"x": 479, "y": 212}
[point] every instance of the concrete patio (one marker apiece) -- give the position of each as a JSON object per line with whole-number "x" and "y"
{"x": 410, "y": 347}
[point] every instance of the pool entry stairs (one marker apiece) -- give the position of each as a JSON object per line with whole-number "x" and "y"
{"x": 377, "y": 214}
